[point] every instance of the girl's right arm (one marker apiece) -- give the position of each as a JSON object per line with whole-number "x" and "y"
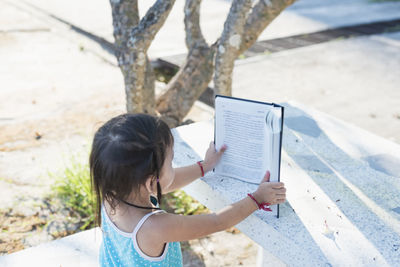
{"x": 172, "y": 227}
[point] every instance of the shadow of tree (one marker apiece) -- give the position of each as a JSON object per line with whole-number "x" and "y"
{"x": 368, "y": 196}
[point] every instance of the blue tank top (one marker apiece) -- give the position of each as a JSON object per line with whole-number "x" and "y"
{"x": 120, "y": 248}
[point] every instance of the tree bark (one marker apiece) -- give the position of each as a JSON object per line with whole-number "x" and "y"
{"x": 125, "y": 16}
{"x": 133, "y": 39}
{"x": 187, "y": 85}
{"x": 194, "y": 76}
{"x": 229, "y": 45}
{"x": 263, "y": 13}
{"x": 194, "y": 36}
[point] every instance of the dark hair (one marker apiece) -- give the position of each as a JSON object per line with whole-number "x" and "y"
{"x": 126, "y": 151}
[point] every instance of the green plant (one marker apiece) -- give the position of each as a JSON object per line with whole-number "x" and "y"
{"x": 181, "y": 203}
{"x": 392, "y": 29}
{"x": 72, "y": 186}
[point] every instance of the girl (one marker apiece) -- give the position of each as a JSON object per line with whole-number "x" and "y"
{"x": 130, "y": 161}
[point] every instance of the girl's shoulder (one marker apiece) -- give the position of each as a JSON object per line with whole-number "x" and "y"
{"x": 125, "y": 221}
{"x": 153, "y": 221}
{"x": 167, "y": 227}
{"x": 148, "y": 234}
{"x": 154, "y": 224}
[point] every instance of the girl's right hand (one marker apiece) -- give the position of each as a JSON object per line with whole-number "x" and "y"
{"x": 270, "y": 192}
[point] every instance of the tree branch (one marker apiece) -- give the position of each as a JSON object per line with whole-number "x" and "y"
{"x": 262, "y": 14}
{"x": 125, "y": 17}
{"x": 187, "y": 85}
{"x": 229, "y": 45}
{"x": 133, "y": 38}
{"x": 142, "y": 35}
{"x": 194, "y": 76}
{"x": 192, "y": 24}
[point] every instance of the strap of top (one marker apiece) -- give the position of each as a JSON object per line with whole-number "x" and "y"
{"x": 136, "y": 246}
{"x": 109, "y": 222}
{"x": 144, "y": 218}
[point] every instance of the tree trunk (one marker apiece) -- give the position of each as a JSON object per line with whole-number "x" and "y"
{"x": 194, "y": 76}
{"x": 262, "y": 14}
{"x": 187, "y": 85}
{"x": 133, "y": 38}
{"x": 229, "y": 45}
{"x": 232, "y": 46}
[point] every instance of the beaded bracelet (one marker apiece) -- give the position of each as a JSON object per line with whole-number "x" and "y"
{"x": 261, "y": 206}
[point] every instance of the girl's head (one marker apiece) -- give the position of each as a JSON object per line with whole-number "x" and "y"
{"x": 128, "y": 153}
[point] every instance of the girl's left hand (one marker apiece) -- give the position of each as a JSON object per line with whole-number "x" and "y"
{"x": 212, "y": 157}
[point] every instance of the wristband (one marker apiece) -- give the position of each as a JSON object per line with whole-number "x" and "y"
{"x": 201, "y": 168}
{"x": 261, "y": 206}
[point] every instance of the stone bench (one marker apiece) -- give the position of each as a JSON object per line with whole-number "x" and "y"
{"x": 76, "y": 250}
{"x": 343, "y": 193}
{"x": 342, "y": 209}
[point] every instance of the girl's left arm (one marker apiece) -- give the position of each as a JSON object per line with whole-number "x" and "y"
{"x": 186, "y": 175}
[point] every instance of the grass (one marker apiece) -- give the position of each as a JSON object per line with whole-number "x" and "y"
{"x": 181, "y": 203}
{"x": 392, "y": 29}
{"x": 73, "y": 188}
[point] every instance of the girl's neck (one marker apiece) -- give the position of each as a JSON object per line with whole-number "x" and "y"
{"x": 151, "y": 207}
{"x": 125, "y": 217}
{"x": 139, "y": 201}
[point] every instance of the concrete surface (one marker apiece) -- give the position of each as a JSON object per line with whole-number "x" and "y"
{"x": 356, "y": 80}
{"x": 81, "y": 249}
{"x": 333, "y": 197}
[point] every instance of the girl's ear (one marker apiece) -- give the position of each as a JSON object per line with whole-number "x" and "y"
{"x": 149, "y": 184}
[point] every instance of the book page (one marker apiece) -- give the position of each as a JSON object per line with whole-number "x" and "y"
{"x": 249, "y": 129}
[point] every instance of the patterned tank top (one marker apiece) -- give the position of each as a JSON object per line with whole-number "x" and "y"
{"x": 120, "y": 248}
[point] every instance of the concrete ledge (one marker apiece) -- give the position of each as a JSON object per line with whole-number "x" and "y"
{"x": 79, "y": 249}
{"x": 341, "y": 210}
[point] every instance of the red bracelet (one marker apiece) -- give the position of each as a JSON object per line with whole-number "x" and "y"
{"x": 201, "y": 167}
{"x": 262, "y": 206}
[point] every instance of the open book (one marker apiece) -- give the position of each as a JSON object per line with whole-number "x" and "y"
{"x": 252, "y": 131}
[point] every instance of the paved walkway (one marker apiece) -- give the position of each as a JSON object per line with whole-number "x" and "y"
{"x": 304, "y": 16}
{"x": 356, "y": 80}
